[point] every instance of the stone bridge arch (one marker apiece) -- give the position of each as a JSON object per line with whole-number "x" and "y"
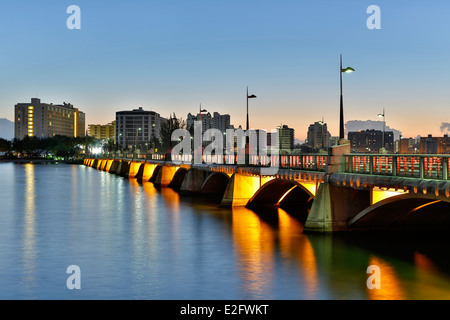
{"x": 215, "y": 183}
{"x": 281, "y": 192}
{"x": 406, "y": 211}
{"x": 155, "y": 173}
{"x": 178, "y": 178}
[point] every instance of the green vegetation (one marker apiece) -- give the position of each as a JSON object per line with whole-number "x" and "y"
{"x": 57, "y": 147}
{"x": 167, "y": 128}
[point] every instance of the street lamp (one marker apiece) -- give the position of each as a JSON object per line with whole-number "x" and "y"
{"x": 341, "y": 120}
{"x": 249, "y": 97}
{"x": 383, "y": 115}
{"x": 247, "y": 142}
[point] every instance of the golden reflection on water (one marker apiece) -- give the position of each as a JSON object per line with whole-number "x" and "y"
{"x": 391, "y": 286}
{"x": 295, "y": 244}
{"x": 172, "y": 198}
{"x": 430, "y": 279}
{"x": 254, "y": 242}
{"x": 257, "y": 243}
{"x": 29, "y": 236}
{"x": 149, "y": 189}
{"x": 422, "y": 282}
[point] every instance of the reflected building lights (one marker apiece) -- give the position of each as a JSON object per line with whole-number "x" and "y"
{"x": 29, "y": 236}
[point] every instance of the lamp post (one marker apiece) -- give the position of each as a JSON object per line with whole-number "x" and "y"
{"x": 249, "y": 97}
{"x": 383, "y": 115}
{"x": 247, "y": 143}
{"x": 341, "y": 118}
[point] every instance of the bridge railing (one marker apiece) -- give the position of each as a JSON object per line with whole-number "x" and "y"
{"x": 309, "y": 162}
{"x": 415, "y": 166}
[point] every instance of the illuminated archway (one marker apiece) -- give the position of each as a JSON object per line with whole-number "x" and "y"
{"x": 281, "y": 192}
{"x": 155, "y": 173}
{"x": 178, "y": 178}
{"x": 404, "y": 211}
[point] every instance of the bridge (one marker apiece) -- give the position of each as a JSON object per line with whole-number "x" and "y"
{"x": 339, "y": 191}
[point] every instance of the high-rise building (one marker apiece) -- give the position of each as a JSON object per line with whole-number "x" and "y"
{"x": 217, "y": 121}
{"x": 286, "y": 137}
{"x": 137, "y": 127}
{"x": 434, "y": 145}
{"x": 407, "y": 145}
{"x": 371, "y": 141}
{"x": 44, "y": 120}
{"x": 318, "y": 135}
{"x": 100, "y": 131}
{"x": 221, "y": 121}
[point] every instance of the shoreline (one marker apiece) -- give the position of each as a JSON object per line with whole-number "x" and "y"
{"x": 41, "y": 161}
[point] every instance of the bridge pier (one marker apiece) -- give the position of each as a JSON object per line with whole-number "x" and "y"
{"x": 334, "y": 207}
{"x": 193, "y": 181}
{"x": 114, "y": 166}
{"x": 241, "y": 188}
{"x": 122, "y": 169}
{"x": 165, "y": 175}
{"x": 133, "y": 169}
{"x": 145, "y": 172}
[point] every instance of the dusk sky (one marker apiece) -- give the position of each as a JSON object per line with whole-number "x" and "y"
{"x": 172, "y": 55}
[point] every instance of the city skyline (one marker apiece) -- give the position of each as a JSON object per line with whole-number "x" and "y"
{"x": 172, "y": 57}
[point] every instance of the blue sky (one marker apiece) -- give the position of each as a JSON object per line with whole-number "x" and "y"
{"x": 170, "y": 56}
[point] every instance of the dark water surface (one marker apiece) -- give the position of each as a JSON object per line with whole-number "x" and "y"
{"x": 133, "y": 241}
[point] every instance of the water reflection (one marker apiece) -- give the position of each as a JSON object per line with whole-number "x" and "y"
{"x": 391, "y": 287}
{"x": 163, "y": 245}
{"x": 172, "y": 203}
{"x": 430, "y": 278}
{"x": 326, "y": 267}
{"x": 29, "y": 249}
{"x": 296, "y": 245}
{"x": 254, "y": 243}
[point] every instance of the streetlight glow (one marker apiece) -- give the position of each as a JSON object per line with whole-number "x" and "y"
{"x": 348, "y": 70}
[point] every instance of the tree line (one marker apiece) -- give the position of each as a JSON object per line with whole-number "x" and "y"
{"x": 69, "y": 147}
{"x": 56, "y": 146}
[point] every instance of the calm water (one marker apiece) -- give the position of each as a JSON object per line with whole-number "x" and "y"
{"x": 132, "y": 241}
